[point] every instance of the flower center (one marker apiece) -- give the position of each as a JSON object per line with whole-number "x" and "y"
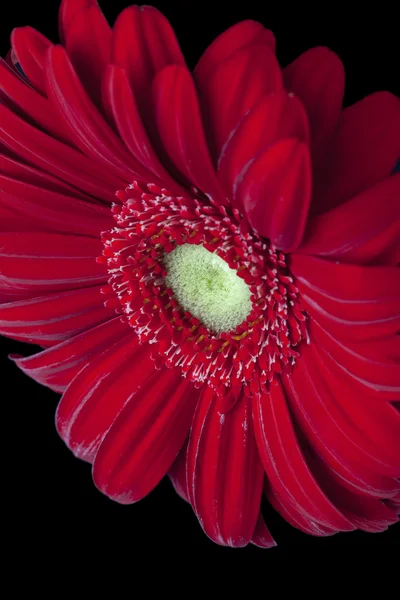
{"x": 205, "y": 285}
{"x": 205, "y": 292}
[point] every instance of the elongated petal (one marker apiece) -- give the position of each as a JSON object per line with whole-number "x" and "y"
{"x": 56, "y": 367}
{"x": 181, "y": 130}
{"x": 54, "y": 211}
{"x": 49, "y": 261}
{"x": 177, "y": 475}
{"x": 354, "y": 302}
{"x": 235, "y": 38}
{"x": 42, "y": 151}
{"x": 262, "y": 537}
{"x": 50, "y": 319}
{"x": 361, "y": 230}
{"x": 88, "y": 43}
{"x": 362, "y": 153}
{"x": 30, "y": 48}
{"x": 99, "y": 392}
{"x": 236, "y": 87}
{"x": 284, "y": 463}
{"x": 145, "y": 438}
{"x": 91, "y": 133}
{"x": 124, "y": 111}
{"x": 31, "y": 105}
{"x": 224, "y": 471}
{"x": 143, "y": 44}
{"x": 276, "y": 116}
{"x": 343, "y": 446}
{"x": 317, "y": 78}
{"x": 68, "y": 10}
{"x": 274, "y": 191}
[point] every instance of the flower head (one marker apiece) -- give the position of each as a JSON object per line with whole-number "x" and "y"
{"x": 210, "y": 263}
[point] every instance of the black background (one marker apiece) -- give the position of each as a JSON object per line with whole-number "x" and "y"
{"x": 53, "y": 502}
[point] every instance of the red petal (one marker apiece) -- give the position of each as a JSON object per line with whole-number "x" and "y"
{"x": 54, "y": 211}
{"x": 143, "y": 44}
{"x": 224, "y": 471}
{"x": 60, "y": 160}
{"x": 30, "y": 105}
{"x": 235, "y": 38}
{"x": 145, "y": 438}
{"x": 49, "y": 261}
{"x": 360, "y": 230}
{"x": 341, "y": 443}
{"x": 99, "y": 392}
{"x": 317, "y": 78}
{"x": 236, "y": 87}
{"x": 123, "y": 109}
{"x": 284, "y": 463}
{"x": 177, "y": 475}
{"x": 68, "y": 10}
{"x": 50, "y": 319}
{"x": 30, "y": 48}
{"x": 262, "y": 537}
{"x": 181, "y": 130}
{"x": 363, "y": 152}
{"x": 88, "y": 43}
{"x": 275, "y": 117}
{"x": 57, "y": 366}
{"x": 351, "y": 301}
{"x": 274, "y": 191}
{"x": 87, "y": 127}
{"x": 27, "y": 174}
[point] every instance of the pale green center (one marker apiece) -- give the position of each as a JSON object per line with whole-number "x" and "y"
{"x": 206, "y": 286}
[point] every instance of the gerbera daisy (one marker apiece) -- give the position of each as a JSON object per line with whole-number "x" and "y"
{"x": 209, "y": 262}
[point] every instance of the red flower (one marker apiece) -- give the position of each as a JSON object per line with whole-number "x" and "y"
{"x": 230, "y": 315}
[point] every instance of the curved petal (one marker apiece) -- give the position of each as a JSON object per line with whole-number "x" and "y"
{"x": 40, "y": 150}
{"x": 145, "y": 438}
{"x": 234, "y": 88}
{"x": 49, "y": 261}
{"x": 68, "y": 10}
{"x": 179, "y": 124}
{"x": 351, "y": 301}
{"x": 99, "y": 392}
{"x": 284, "y": 463}
{"x": 50, "y": 319}
{"x": 274, "y": 191}
{"x": 54, "y": 211}
{"x": 354, "y": 461}
{"x": 30, "y": 105}
{"x": 276, "y": 116}
{"x": 317, "y": 78}
{"x": 56, "y": 367}
{"x": 123, "y": 110}
{"x": 90, "y": 132}
{"x": 224, "y": 472}
{"x": 30, "y": 48}
{"x": 362, "y": 153}
{"x": 359, "y": 231}
{"x": 143, "y": 44}
{"x": 88, "y": 43}
{"x": 177, "y": 474}
{"x": 262, "y": 537}
{"x": 237, "y": 37}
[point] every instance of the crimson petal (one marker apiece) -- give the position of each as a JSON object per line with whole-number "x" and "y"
{"x": 145, "y": 438}
{"x": 317, "y": 78}
{"x": 181, "y": 130}
{"x": 359, "y": 231}
{"x": 57, "y": 366}
{"x": 274, "y": 191}
{"x": 30, "y": 48}
{"x": 235, "y": 38}
{"x": 99, "y": 392}
{"x": 363, "y": 151}
{"x": 68, "y": 10}
{"x": 50, "y": 319}
{"x": 224, "y": 471}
